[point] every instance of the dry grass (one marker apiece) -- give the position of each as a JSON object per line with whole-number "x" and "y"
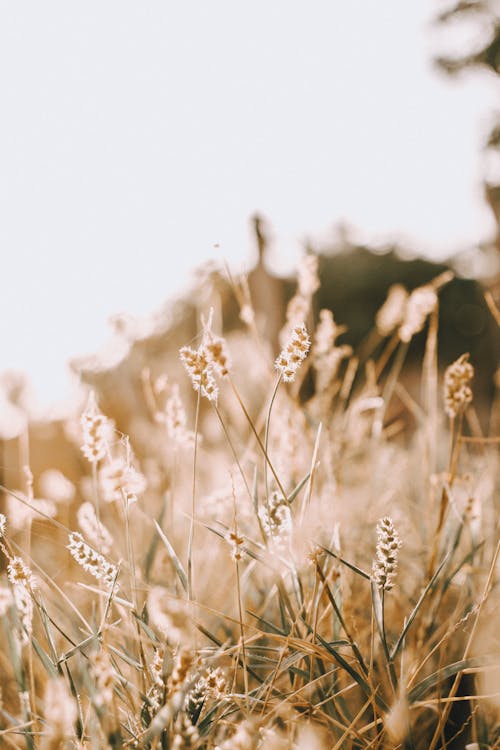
{"x": 232, "y": 592}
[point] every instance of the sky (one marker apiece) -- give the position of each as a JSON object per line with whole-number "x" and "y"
{"x": 137, "y": 138}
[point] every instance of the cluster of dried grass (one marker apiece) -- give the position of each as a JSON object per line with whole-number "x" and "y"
{"x": 310, "y": 574}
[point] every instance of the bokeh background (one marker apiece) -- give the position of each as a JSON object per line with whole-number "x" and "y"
{"x": 136, "y": 140}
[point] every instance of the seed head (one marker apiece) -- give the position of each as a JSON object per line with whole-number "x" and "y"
{"x": 94, "y": 428}
{"x": 24, "y": 608}
{"x": 419, "y": 305}
{"x": 199, "y": 367}
{"x": 276, "y": 520}
{"x": 118, "y": 479}
{"x": 183, "y": 663}
{"x": 392, "y": 312}
{"x": 307, "y": 272}
{"x": 94, "y": 530}
{"x": 235, "y": 542}
{"x": 175, "y": 419}
{"x": 3, "y": 525}
{"x": 90, "y": 560}
{"x": 457, "y": 391}
{"x": 60, "y": 714}
{"x": 104, "y": 676}
{"x": 388, "y": 544}
{"x": 19, "y": 574}
{"x": 294, "y": 353}
{"x": 217, "y": 353}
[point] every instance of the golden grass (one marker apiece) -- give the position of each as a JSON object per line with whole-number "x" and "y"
{"x": 230, "y": 592}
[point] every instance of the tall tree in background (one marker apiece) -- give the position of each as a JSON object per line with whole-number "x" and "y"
{"x": 485, "y": 15}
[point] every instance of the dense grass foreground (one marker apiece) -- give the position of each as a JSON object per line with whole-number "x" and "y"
{"x": 307, "y": 557}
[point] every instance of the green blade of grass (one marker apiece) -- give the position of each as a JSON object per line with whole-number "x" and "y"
{"x": 346, "y": 563}
{"x": 378, "y": 613}
{"x": 150, "y": 554}
{"x": 293, "y": 494}
{"x": 173, "y": 556}
{"x": 47, "y": 662}
{"x": 420, "y": 690}
{"x": 416, "y": 608}
{"x": 363, "y": 684}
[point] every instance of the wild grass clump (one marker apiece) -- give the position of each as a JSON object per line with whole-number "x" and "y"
{"x": 307, "y": 558}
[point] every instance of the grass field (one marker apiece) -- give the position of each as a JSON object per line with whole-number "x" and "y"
{"x": 308, "y": 557}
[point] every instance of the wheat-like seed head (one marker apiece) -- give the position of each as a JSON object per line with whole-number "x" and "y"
{"x": 90, "y": 560}
{"x": 94, "y": 428}
{"x": 388, "y": 544}
{"x": 457, "y": 391}
{"x": 200, "y": 370}
{"x": 293, "y": 354}
{"x": 419, "y": 306}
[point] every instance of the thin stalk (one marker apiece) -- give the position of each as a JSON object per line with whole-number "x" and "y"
{"x": 259, "y": 441}
{"x": 193, "y": 503}
{"x": 390, "y": 663}
{"x": 266, "y": 435}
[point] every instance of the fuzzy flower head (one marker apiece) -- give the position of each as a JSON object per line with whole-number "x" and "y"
{"x": 392, "y": 312}
{"x": 211, "y": 357}
{"x": 276, "y": 520}
{"x": 24, "y": 609}
{"x": 326, "y": 332}
{"x": 3, "y": 525}
{"x": 60, "y": 713}
{"x": 307, "y": 275}
{"x": 386, "y": 562}
{"x": 199, "y": 367}
{"x": 19, "y": 574}
{"x": 217, "y": 352}
{"x": 293, "y": 354}
{"x": 419, "y": 306}
{"x": 94, "y": 530}
{"x": 95, "y": 428}
{"x": 208, "y": 687}
{"x": 175, "y": 419}
{"x": 90, "y": 560}
{"x": 235, "y": 542}
{"x": 457, "y": 391}
{"x": 119, "y": 480}
{"x": 104, "y": 676}
{"x": 54, "y": 485}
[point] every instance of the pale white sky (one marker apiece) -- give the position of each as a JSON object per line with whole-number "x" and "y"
{"x": 134, "y": 136}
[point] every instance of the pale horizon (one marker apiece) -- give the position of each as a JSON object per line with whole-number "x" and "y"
{"x": 137, "y": 141}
